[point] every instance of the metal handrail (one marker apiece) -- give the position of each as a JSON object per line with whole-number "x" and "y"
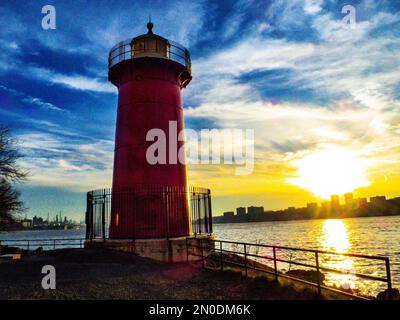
{"x": 174, "y": 51}
{"x": 275, "y": 259}
{"x": 54, "y": 242}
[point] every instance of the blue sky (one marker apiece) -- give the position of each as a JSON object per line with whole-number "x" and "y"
{"x": 288, "y": 69}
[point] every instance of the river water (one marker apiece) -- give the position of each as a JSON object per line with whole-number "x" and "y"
{"x": 371, "y": 236}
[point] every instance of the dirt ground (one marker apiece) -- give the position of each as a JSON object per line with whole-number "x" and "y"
{"x": 105, "y": 274}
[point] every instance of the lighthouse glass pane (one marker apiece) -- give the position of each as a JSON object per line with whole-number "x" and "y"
{"x": 162, "y": 48}
{"x": 138, "y": 47}
{"x": 151, "y": 45}
{"x": 120, "y": 54}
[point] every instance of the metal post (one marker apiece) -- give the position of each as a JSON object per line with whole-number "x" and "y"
{"x": 89, "y": 216}
{"x": 199, "y": 214}
{"x": 187, "y": 250}
{"x": 318, "y": 274}
{"x": 209, "y": 211}
{"x": 167, "y": 209}
{"x": 90, "y": 211}
{"x": 220, "y": 256}
{"x": 103, "y": 216}
{"x": 275, "y": 266}
{"x": 388, "y": 276}
{"x": 245, "y": 260}
{"x": 54, "y": 244}
{"x": 202, "y": 253}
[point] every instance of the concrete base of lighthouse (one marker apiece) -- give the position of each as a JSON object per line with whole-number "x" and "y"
{"x": 164, "y": 250}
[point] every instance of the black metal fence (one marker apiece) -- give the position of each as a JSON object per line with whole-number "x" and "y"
{"x": 242, "y": 255}
{"x": 163, "y": 206}
{"x": 45, "y": 244}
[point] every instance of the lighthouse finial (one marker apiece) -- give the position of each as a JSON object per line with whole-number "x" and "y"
{"x": 150, "y": 26}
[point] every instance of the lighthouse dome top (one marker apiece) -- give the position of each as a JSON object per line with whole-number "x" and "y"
{"x": 149, "y": 45}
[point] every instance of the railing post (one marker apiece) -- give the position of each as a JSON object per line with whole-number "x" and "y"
{"x": 89, "y": 216}
{"x": 80, "y": 243}
{"x": 209, "y": 211}
{"x": 275, "y": 266}
{"x": 54, "y": 244}
{"x": 221, "y": 260}
{"x": 199, "y": 214}
{"x": 318, "y": 273}
{"x": 103, "y": 216}
{"x": 245, "y": 260}
{"x": 202, "y": 253}
{"x": 388, "y": 275}
{"x": 168, "y": 197}
{"x": 187, "y": 250}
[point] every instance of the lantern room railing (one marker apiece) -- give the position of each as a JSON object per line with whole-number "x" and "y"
{"x": 99, "y": 207}
{"x": 163, "y": 48}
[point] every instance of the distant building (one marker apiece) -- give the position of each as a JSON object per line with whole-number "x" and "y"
{"x": 26, "y": 223}
{"x": 255, "y": 213}
{"x": 312, "y": 206}
{"x": 362, "y": 203}
{"x": 335, "y": 203}
{"x": 229, "y": 214}
{"x": 255, "y": 210}
{"x": 378, "y": 200}
{"x": 325, "y": 207}
{"x": 37, "y": 221}
{"x": 241, "y": 211}
{"x": 348, "y": 199}
{"x": 350, "y": 202}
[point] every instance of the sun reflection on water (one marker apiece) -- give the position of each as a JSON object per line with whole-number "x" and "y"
{"x": 335, "y": 238}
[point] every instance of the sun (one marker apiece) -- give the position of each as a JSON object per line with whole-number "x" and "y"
{"x": 332, "y": 170}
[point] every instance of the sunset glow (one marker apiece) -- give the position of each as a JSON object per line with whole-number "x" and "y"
{"x": 333, "y": 170}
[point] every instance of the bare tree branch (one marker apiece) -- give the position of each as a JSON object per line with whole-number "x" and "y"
{"x": 10, "y": 173}
{"x": 9, "y": 170}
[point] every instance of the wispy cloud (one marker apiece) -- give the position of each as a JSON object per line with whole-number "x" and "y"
{"x": 31, "y": 100}
{"x": 83, "y": 83}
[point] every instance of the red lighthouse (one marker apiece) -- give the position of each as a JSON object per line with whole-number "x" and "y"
{"x": 148, "y": 200}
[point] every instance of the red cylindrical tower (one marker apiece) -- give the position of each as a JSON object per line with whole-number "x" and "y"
{"x": 148, "y": 200}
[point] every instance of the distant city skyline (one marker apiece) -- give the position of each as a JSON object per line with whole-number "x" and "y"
{"x": 336, "y": 201}
{"x": 333, "y": 209}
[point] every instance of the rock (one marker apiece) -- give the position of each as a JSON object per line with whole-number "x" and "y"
{"x": 389, "y": 294}
{"x": 308, "y": 275}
